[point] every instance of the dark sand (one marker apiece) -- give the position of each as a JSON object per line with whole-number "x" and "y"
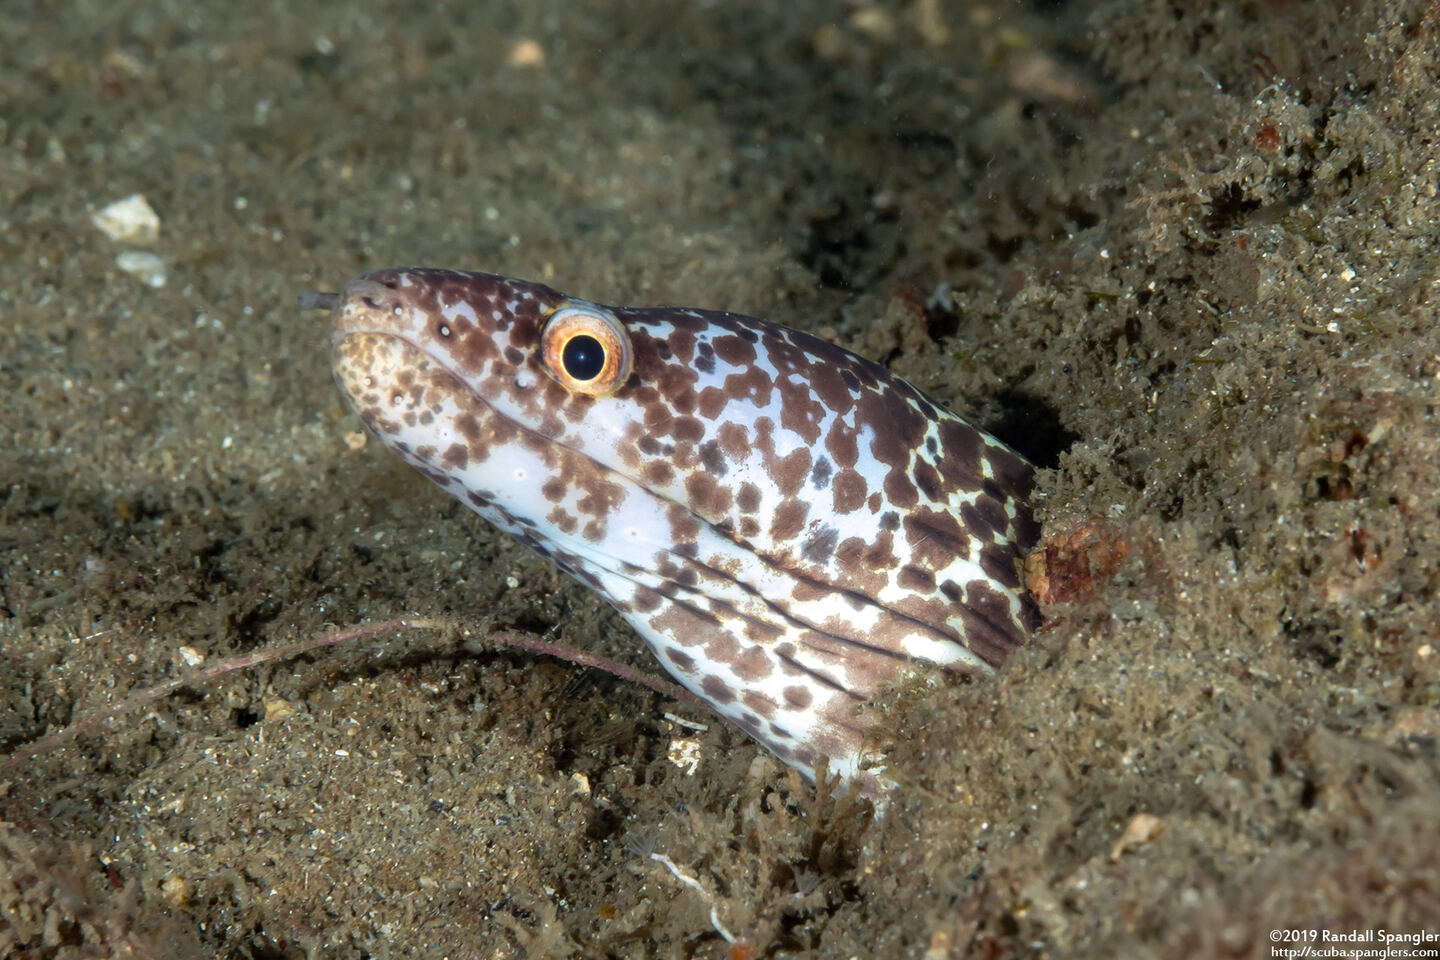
{"x": 1183, "y": 254}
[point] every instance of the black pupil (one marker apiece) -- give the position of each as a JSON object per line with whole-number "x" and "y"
{"x": 583, "y": 357}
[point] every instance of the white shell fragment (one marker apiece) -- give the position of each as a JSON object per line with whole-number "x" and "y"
{"x": 131, "y": 220}
{"x": 684, "y": 752}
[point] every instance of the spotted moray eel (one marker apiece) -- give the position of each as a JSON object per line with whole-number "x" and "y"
{"x": 786, "y": 524}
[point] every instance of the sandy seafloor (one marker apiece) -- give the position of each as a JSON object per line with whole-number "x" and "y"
{"x": 1185, "y": 255}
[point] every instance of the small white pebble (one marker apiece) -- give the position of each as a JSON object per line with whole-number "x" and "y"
{"x": 1141, "y": 829}
{"x": 526, "y": 53}
{"x": 191, "y": 656}
{"x": 145, "y": 267}
{"x": 131, "y": 220}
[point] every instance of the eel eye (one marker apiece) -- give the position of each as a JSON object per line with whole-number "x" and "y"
{"x": 585, "y": 349}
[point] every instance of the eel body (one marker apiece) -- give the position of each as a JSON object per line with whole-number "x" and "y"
{"x": 789, "y": 527}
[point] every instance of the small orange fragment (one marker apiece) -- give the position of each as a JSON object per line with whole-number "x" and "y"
{"x": 742, "y": 950}
{"x": 1069, "y": 567}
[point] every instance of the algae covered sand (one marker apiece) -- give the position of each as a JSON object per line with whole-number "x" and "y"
{"x": 1182, "y": 254}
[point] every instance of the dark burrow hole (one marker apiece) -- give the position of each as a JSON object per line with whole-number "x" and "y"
{"x": 1032, "y": 426}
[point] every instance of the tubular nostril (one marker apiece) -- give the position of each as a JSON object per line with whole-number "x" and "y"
{"x": 317, "y": 301}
